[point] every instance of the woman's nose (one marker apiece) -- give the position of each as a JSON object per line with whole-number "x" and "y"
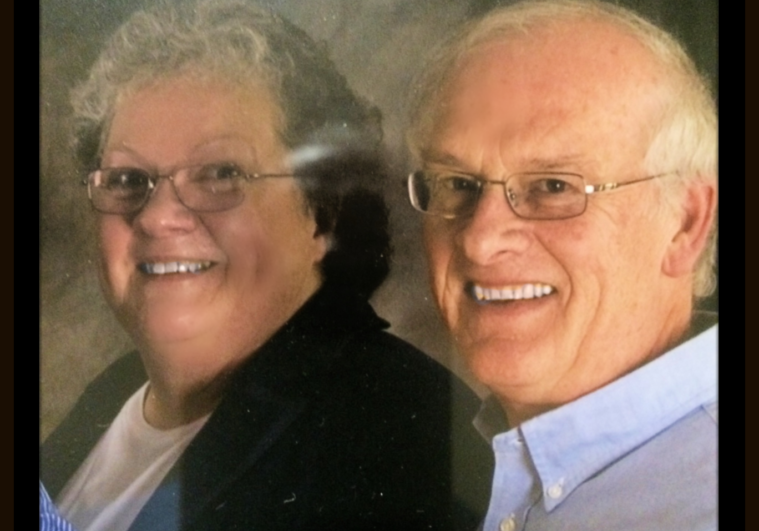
{"x": 163, "y": 213}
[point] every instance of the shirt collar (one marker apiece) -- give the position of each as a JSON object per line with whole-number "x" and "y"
{"x": 569, "y": 444}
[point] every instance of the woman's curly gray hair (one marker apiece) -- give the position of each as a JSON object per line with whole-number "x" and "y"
{"x": 244, "y": 43}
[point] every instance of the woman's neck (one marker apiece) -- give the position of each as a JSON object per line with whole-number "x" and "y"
{"x": 182, "y": 389}
{"x": 171, "y": 406}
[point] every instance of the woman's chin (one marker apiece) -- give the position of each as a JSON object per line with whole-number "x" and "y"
{"x": 165, "y": 328}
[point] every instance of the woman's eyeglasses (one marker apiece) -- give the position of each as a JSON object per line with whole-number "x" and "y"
{"x": 202, "y": 188}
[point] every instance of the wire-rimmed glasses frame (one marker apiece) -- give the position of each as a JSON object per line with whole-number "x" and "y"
{"x": 213, "y": 187}
{"x": 531, "y": 195}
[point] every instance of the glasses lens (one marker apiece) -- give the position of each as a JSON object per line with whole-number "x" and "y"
{"x": 419, "y": 191}
{"x": 546, "y": 195}
{"x": 118, "y": 190}
{"x": 447, "y": 195}
{"x": 211, "y": 187}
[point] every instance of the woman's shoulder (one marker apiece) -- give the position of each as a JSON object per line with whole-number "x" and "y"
{"x": 377, "y": 367}
{"x": 384, "y": 351}
{"x": 68, "y": 445}
{"x": 124, "y": 376}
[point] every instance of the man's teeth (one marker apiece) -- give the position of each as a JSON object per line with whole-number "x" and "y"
{"x": 163, "y": 268}
{"x": 525, "y": 291}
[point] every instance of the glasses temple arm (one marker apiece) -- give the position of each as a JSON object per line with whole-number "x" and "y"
{"x": 591, "y": 189}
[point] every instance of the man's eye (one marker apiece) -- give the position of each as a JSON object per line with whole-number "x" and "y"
{"x": 552, "y": 186}
{"x": 457, "y": 183}
{"x": 125, "y": 179}
{"x": 555, "y": 186}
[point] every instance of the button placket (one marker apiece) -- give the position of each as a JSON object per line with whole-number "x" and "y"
{"x": 555, "y": 491}
{"x": 508, "y": 524}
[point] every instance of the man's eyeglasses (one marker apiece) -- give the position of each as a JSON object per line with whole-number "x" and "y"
{"x": 202, "y": 188}
{"x": 540, "y": 195}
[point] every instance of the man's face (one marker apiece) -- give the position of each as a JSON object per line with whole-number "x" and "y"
{"x": 577, "y": 99}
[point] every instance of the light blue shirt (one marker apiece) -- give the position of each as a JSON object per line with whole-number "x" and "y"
{"x": 637, "y": 454}
{"x": 50, "y": 520}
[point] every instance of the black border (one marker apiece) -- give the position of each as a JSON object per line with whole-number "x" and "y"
{"x": 19, "y": 215}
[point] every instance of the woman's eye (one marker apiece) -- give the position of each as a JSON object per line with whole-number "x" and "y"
{"x": 125, "y": 179}
{"x": 220, "y": 172}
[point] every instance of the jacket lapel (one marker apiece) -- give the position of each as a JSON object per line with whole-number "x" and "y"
{"x": 229, "y": 445}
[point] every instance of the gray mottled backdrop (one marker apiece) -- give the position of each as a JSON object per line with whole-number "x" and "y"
{"x": 377, "y": 44}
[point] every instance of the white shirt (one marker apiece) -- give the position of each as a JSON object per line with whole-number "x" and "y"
{"x": 123, "y": 470}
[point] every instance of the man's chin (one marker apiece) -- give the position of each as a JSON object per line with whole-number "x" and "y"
{"x": 506, "y": 362}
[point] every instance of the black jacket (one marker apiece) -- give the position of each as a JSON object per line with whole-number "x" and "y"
{"x": 332, "y": 425}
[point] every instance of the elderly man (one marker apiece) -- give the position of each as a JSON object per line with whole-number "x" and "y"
{"x": 568, "y": 170}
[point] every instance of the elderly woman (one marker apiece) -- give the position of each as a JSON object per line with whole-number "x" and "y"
{"x": 225, "y": 158}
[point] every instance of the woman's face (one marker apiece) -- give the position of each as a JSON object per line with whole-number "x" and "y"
{"x": 253, "y": 265}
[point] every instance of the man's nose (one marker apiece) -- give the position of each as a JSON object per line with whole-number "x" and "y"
{"x": 493, "y": 229}
{"x": 163, "y": 213}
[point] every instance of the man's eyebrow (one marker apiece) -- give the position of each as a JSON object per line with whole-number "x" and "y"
{"x": 564, "y": 162}
{"x": 431, "y": 156}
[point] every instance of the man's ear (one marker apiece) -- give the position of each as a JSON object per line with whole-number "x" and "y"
{"x": 697, "y": 211}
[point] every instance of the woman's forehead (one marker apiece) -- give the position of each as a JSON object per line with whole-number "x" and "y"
{"x": 169, "y": 120}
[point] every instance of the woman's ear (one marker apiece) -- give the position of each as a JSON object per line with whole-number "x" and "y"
{"x": 322, "y": 246}
{"x": 697, "y": 212}
{"x": 323, "y": 237}
{"x": 325, "y": 210}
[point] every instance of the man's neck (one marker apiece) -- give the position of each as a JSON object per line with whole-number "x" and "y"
{"x": 679, "y": 330}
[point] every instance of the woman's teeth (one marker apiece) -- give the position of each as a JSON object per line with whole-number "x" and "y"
{"x": 525, "y": 291}
{"x": 163, "y": 268}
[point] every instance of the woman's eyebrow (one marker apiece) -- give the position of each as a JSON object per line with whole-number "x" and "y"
{"x": 225, "y": 140}
{"x": 124, "y": 150}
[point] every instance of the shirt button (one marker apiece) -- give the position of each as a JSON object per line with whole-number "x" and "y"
{"x": 508, "y": 524}
{"x": 555, "y": 491}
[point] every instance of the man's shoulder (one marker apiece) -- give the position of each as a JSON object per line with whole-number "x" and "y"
{"x": 711, "y": 410}
{"x": 668, "y": 483}
{"x": 675, "y": 473}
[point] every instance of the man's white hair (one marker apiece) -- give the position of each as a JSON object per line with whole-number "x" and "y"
{"x": 685, "y": 139}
